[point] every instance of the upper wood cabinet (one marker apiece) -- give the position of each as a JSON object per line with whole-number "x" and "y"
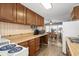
{"x": 17, "y": 13}
{"x": 31, "y": 17}
{"x": 25, "y": 15}
{"x": 20, "y": 13}
{"x": 8, "y": 12}
{"x": 39, "y": 20}
{"x": 75, "y": 13}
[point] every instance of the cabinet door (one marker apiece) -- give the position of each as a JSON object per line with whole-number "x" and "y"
{"x": 8, "y": 12}
{"x": 44, "y": 39}
{"x": 25, "y": 15}
{"x": 20, "y": 13}
{"x": 32, "y": 47}
{"x": 34, "y": 18}
{"x": 31, "y": 17}
{"x": 41, "y": 21}
{"x": 75, "y": 13}
{"x": 37, "y": 44}
{"x": 37, "y": 20}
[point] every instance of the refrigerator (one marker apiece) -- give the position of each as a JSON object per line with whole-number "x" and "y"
{"x": 70, "y": 29}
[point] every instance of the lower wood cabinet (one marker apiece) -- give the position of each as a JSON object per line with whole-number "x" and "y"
{"x": 31, "y": 47}
{"x": 44, "y": 39}
{"x": 34, "y": 44}
{"x": 37, "y": 44}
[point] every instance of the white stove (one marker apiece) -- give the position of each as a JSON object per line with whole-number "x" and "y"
{"x": 12, "y": 49}
{"x": 4, "y": 41}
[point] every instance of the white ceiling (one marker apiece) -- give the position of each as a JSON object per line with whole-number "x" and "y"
{"x": 58, "y": 13}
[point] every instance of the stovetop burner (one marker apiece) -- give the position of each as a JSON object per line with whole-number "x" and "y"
{"x": 7, "y": 47}
{"x": 15, "y": 49}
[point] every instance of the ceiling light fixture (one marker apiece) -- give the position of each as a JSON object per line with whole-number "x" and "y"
{"x": 47, "y": 5}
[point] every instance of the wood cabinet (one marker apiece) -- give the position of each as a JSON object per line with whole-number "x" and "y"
{"x": 17, "y": 13}
{"x": 44, "y": 39}
{"x": 39, "y": 20}
{"x": 32, "y": 47}
{"x": 75, "y": 13}
{"x": 34, "y": 18}
{"x": 25, "y": 15}
{"x": 34, "y": 44}
{"x": 31, "y": 17}
{"x": 37, "y": 44}
{"x": 20, "y": 13}
{"x": 8, "y": 12}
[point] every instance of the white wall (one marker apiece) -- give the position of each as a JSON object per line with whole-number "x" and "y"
{"x": 70, "y": 29}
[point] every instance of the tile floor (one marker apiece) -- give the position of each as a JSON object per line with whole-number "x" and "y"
{"x": 52, "y": 49}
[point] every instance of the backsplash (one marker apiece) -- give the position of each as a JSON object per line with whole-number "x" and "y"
{"x": 11, "y": 29}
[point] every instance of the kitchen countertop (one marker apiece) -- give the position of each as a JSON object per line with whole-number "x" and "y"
{"x": 73, "y": 48}
{"x": 22, "y": 37}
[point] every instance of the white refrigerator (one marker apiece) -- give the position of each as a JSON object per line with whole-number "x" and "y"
{"x": 70, "y": 29}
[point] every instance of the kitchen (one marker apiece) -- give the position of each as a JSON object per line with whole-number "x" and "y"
{"x": 27, "y": 29}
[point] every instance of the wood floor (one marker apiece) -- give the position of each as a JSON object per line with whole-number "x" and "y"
{"x": 52, "y": 49}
